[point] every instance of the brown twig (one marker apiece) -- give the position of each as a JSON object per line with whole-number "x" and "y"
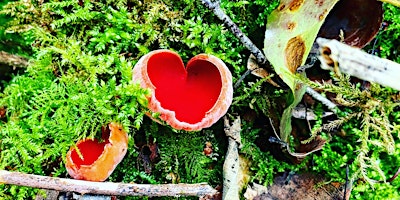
{"x": 107, "y": 188}
{"x": 346, "y": 183}
{"x": 394, "y": 176}
{"x": 215, "y": 7}
{"x": 261, "y": 59}
{"x": 13, "y": 60}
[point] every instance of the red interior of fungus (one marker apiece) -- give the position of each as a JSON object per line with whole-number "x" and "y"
{"x": 90, "y": 151}
{"x": 190, "y": 92}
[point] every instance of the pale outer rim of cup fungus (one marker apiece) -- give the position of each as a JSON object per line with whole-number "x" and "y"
{"x": 219, "y": 109}
{"x": 113, "y": 153}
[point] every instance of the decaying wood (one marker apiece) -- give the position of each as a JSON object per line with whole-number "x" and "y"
{"x": 12, "y": 60}
{"x": 353, "y": 61}
{"x": 231, "y": 164}
{"x": 107, "y": 188}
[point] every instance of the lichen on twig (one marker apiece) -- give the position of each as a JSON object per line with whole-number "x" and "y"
{"x": 107, "y": 188}
{"x": 12, "y": 60}
{"x": 260, "y": 57}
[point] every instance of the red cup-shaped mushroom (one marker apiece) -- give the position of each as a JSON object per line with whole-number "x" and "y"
{"x": 97, "y": 160}
{"x": 188, "y": 98}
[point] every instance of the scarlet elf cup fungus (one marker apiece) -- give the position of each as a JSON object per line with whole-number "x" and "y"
{"x": 96, "y": 160}
{"x": 188, "y": 98}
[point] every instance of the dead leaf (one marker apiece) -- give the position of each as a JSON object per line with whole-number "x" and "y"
{"x": 258, "y": 71}
{"x": 3, "y": 112}
{"x": 149, "y": 155}
{"x": 305, "y": 149}
{"x": 302, "y": 187}
{"x": 208, "y": 149}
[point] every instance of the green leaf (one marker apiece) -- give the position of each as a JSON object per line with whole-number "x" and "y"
{"x": 291, "y": 31}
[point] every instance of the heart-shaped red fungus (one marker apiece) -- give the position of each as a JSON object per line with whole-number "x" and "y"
{"x": 97, "y": 160}
{"x": 188, "y": 98}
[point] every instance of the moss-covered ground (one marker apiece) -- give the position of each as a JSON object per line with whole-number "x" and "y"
{"x": 80, "y": 78}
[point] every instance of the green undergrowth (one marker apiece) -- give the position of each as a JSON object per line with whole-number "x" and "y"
{"x": 366, "y": 138}
{"x": 13, "y": 42}
{"x": 79, "y": 79}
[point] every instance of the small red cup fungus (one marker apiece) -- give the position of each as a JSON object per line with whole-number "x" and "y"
{"x": 188, "y": 98}
{"x": 99, "y": 158}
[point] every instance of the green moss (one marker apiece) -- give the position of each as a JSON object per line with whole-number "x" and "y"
{"x": 13, "y": 42}
{"x": 388, "y": 40}
{"x": 80, "y": 79}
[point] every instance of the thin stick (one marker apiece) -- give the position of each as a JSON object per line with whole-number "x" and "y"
{"x": 394, "y": 176}
{"x": 355, "y": 62}
{"x": 231, "y": 166}
{"x": 273, "y": 128}
{"x": 106, "y": 188}
{"x": 347, "y": 181}
{"x": 241, "y": 78}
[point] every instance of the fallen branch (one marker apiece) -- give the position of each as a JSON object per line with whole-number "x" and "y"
{"x": 107, "y": 188}
{"x": 231, "y": 164}
{"x": 12, "y": 60}
{"x": 353, "y": 61}
{"x": 261, "y": 59}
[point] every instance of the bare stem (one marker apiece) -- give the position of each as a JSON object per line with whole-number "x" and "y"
{"x": 331, "y": 106}
{"x": 394, "y": 176}
{"x": 107, "y": 188}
